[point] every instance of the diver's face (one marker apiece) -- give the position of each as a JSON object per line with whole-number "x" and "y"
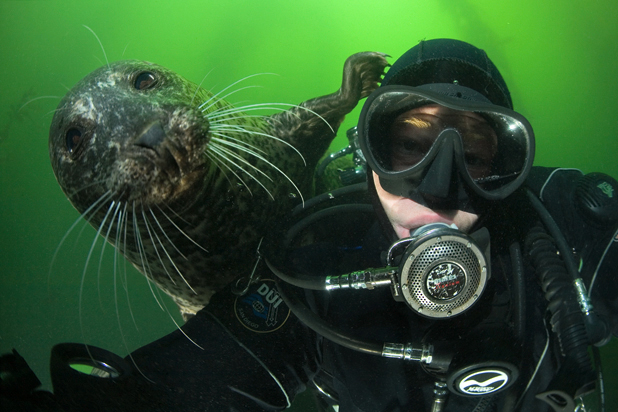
{"x": 405, "y": 214}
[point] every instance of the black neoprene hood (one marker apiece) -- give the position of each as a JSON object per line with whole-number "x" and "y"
{"x": 450, "y": 61}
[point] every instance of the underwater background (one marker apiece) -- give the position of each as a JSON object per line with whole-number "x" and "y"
{"x": 559, "y": 58}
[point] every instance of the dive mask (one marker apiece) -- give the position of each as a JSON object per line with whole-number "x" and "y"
{"x": 420, "y": 139}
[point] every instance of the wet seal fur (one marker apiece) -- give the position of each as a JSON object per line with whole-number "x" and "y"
{"x": 183, "y": 184}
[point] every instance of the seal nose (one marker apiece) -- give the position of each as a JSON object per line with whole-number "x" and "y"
{"x": 152, "y": 137}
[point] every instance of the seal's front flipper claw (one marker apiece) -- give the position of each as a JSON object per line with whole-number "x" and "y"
{"x": 361, "y": 74}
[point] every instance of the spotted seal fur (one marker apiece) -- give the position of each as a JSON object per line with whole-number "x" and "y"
{"x": 183, "y": 184}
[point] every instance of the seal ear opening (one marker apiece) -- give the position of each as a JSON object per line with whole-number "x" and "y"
{"x": 76, "y": 135}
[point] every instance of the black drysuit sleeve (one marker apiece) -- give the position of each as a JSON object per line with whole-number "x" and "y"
{"x": 224, "y": 359}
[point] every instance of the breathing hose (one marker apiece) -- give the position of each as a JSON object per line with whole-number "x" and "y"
{"x": 558, "y": 275}
{"x": 322, "y": 327}
{"x": 566, "y": 318}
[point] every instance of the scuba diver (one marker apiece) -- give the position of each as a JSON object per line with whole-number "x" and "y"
{"x": 454, "y": 277}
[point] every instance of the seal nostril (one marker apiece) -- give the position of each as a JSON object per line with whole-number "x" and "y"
{"x": 153, "y": 137}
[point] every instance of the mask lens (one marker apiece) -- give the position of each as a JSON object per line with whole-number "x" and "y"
{"x": 414, "y": 133}
{"x": 513, "y": 155}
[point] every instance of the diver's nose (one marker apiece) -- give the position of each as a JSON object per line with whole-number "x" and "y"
{"x": 442, "y": 186}
{"x": 153, "y": 137}
{"x": 437, "y": 181}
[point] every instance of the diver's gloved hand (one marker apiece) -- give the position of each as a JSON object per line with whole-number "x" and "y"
{"x": 240, "y": 353}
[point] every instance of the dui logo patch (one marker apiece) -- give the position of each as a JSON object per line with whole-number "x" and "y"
{"x": 261, "y": 309}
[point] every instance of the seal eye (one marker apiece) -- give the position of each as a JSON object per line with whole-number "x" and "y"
{"x": 145, "y": 81}
{"x": 74, "y": 137}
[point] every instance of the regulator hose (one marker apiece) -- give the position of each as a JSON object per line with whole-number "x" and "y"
{"x": 566, "y": 317}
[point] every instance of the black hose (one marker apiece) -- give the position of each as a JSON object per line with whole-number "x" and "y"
{"x": 519, "y": 296}
{"x": 321, "y": 327}
{"x": 329, "y": 196}
{"x": 566, "y": 317}
{"x": 596, "y": 354}
{"x": 298, "y": 279}
{"x": 321, "y": 214}
{"x": 319, "y": 171}
{"x": 556, "y": 234}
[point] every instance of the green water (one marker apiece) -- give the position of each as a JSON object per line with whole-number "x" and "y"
{"x": 558, "y": 57}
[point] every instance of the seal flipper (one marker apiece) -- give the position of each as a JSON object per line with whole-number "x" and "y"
{"x": 312, "y": 134}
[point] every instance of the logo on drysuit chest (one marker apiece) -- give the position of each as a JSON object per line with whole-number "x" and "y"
{"x": 261, "y": 309}
{"x": 483, "y": 382}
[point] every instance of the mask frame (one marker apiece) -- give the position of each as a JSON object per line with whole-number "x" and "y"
{"x": 515, "y": 151}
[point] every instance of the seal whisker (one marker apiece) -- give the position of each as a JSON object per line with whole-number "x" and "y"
{"x": 262, "y": 106}
{"x": 229, "y": 138}
{"x": 124, "y": 245}
{"x": 176, "y": 214}
{"x": 39, "y": 98}
{"x": 222, "y": 99}
{"x": 224, "y": 113}
{"x": 171, "y": 260}
{"x": 120, "y": 223}
{"x": 49, "y": 112}
{"x": 121, "y": 229}
{"x": 183, "y": 332}
{"x": 262, "y": 158}
{"x": 220, "y": 119}
{"x": 180, "y": 230}
{"x": 223, "y": 153}
{"x": 140, "y": 246}
{"x": 121, "y": 241}
{"x": 213, "y": 157}
{"x": 245, "y": 147}
{"x": 165, "y": 234}
{"x": 236, "y": 143}
{"x": 199, "y": 87}
{"x": 217, "y": 99}
{"x": 79, "y": 189}
{"x": 100, "y": 44}
{"x": 81, "y": 217}
{"x": 149, "y": 278}
{"x": 252, "y": 132}
{"x": 87, "y": 217}
{"x": 107, "y": 240}
{"x": 83, "y": 279}
{"x": 142, "y": 255}
{"x": 124, "y": 285}
{"x": 154, "y": 246}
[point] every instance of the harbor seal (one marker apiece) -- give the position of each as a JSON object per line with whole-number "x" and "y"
{"x": 182, "y": 183}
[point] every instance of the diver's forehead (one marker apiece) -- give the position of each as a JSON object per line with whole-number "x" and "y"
{"x": 440, "y": 111}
